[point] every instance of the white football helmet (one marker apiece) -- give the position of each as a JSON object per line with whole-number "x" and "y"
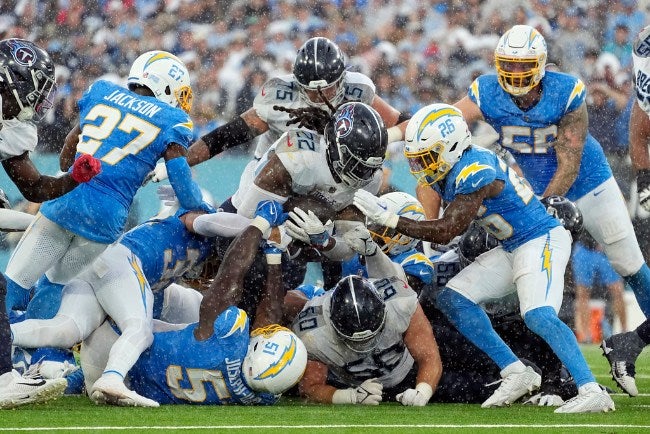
{"x": 389, "y": 240}
{"x": 275, "y": 361}
{"x": 520, "y": 59}
{"x": 436, "y": 136}
{"x": 165, "y": 75}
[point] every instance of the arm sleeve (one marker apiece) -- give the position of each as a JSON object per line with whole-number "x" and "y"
{"x": 11, "y": 220}
{"x": 187, "y": 191}
{"x": 223, "y": 224}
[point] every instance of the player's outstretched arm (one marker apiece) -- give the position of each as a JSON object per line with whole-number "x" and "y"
{"x": 36, "y": 187}
{"x": 569, "y": 144}
{"x": 422, "y": 345}
{"x": 187, "y": 191}
{"x": 228, "y": 285}
{"x": 269, "y": 310}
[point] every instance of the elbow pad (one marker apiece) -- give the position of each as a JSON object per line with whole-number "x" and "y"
{"x": 187, "y": 191}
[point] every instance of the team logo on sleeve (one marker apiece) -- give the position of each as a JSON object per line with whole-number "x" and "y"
{"x": 470, "y": 170}
{"x": 642, "y": 44}
{"x": 239, "y": 324}
{"x": 345, "y": 121}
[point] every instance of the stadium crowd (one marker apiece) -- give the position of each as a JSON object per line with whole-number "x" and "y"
{"x": 416, "y": 53}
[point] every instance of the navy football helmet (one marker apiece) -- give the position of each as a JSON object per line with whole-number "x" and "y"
{"x": 320, "y": 65}
{"x": 357, "y": 312}
{"x": 356, "y": 143}
{"x": 474, "y": 242}
{"x": 565, "y": 211}
{"x": 27, "y": 74}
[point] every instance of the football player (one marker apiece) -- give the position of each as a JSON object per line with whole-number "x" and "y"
{"x": 623, "y": 349}
{"x": 122, "y": 284}
{"x": 216, "y": 360}
{"x": 318, "y": 72}
{"x": 27, "y": 87}
{"x": 541, "y": 117}
{"x": 128, "y": 130}
{"x": 531, "y": 259}
{"x": 368, "y": 339}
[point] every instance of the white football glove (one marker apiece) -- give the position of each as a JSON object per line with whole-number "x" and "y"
{"x": 368, "y": 393}
{"x": 375, "y": 209}
{"x": 643, "y": 188}
{"x": 159, "y": 172}
{"x": 359, "y": 239}
{"x": 307, "y": 227}
{"x": 418, "y": 397}
{"x": 545, "y": 400}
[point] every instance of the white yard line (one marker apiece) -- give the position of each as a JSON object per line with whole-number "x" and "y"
{"x": 247, "y": 427}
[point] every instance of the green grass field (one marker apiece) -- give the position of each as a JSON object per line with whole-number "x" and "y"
{"x": 80, "y": 414}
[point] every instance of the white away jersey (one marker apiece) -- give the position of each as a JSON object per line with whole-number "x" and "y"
{"x": 389, "y": 362}
{"x": 16, "y": 138}
{"x": 641, "y": 59}
{"x": 303, "y": 154}
{"x": 283, "y": 91}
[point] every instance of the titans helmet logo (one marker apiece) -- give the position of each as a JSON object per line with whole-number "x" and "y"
{"x": 344, "y": 121}
{"x": 22, "y": 54}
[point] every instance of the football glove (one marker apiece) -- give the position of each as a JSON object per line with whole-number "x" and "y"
{"x": 159, "y": 172}
{"x": 375, "y": 209}
{"x": 268, "y": 214}
{"x": 545, "y": 400}
{"x": 85, "y": 168}
{"x": 643, "y": 188}
{"x": 368, "y": 393}
{"x": 418, "y": 397}
{"x": 307, "y": 227}
{"x": 359, "y": 239}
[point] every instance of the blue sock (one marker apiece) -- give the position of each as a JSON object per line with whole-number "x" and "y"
{"x": 475, "y": 325}
{"x": 545, "y": 322}
{"x": 17, "y": 296}
{"x": 46, "y": 300}
{"x": 640, "y": 284}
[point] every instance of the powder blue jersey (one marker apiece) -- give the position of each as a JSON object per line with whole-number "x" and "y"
{"x": 529, "y": 134}
{"x": 414, "y": 263}
{"x": 178, "y": 369}
{"x": 167, "y": 250}
{"x": 515, "y": 215}
{"x": 128, "y": 133}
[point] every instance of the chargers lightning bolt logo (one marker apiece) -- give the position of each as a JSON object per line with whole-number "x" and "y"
{"x": 546, "y": 262}
{"x": 238, "y": 324}
{"x": 467, "y": 171}
{"x": 285, "y": 359}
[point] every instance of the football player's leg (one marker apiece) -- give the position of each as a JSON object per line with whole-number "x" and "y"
{"x": 41, "y": 246}
{"x": 79, "y": 314}
{"x": 539, "y": 271}
{"x": 79, "y": 255}
{"x": 486, "y": 278}
{"x": 489, "y": 276}
{"x": 180, "y": 304}
{"x": 621, "y": 351}
{"x": 606, "y": 218}
{"x": 94, "y": 353}
{"x": 126, "y": 297}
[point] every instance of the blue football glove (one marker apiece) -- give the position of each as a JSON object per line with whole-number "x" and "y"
{"x": 268, "y": 214}
{"x": 271, "y": 211}
{"x": 310, "y": 291}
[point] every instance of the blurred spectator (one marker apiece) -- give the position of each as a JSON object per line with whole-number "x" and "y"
{"x": 621, "y": 46}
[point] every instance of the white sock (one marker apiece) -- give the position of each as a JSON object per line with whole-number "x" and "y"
{"x": 513, "y": 368}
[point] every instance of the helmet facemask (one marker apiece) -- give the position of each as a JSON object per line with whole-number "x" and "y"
{"x": 351, "y": 170}
{"x": 518, "y": 76}
{"x": 520, "y": 59}
{"x": 321, "y": 94}
{"x": 427, "y": 165}
{"x": 34, "y": 97}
